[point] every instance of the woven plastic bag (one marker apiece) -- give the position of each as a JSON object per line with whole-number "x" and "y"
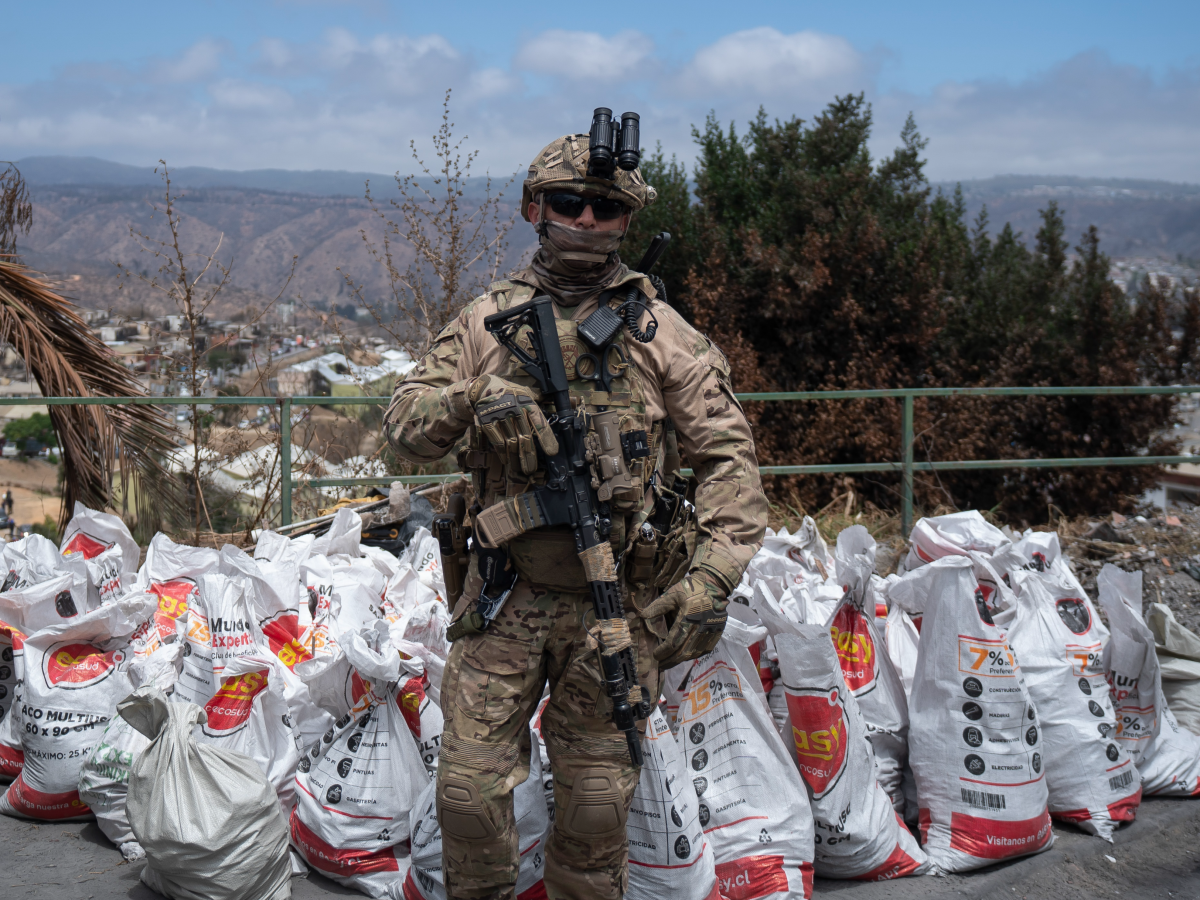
{"x": 858, "y": 834}
{"x": 669, "y": 855}
{"x": 1090, "y": 777}
{"x": 975, "y": 743}
{"x": 752, "y": 803}
{"x": 207, "y": 817}
{"x": 1167, "y": 755}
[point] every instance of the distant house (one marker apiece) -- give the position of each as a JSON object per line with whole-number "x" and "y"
{"x": 334, "y": 375}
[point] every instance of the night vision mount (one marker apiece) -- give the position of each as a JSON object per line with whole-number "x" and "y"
{"x": 613, "y": 143}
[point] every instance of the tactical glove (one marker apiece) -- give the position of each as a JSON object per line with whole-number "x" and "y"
{"x": 508, "y": 416}
{"x": 698, "y": 607}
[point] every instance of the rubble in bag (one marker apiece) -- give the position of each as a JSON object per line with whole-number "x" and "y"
{"x": 203, "y": 815}
{"x": 1178, "y": 651}
{"x": 1090, "y": 778}
{"x": 1166, "y": 755}
{"x": 104, "y": 778}
{"x": 75, "y": 674}
{"x": 858, "y": 834}
{"x": 249, "y": 714}
{"x": 109, "y": 549}
{"x": 912, "y": 590}
{"x": 974, "y": 738}
{"x": 172, "y": 573}
{"x": 752, "y": 803}
{"x": 424, "y": 880}
{"x": 668, "y": 853}
{"x": 12, "y": 658}
{"x": 956, "y": 534}
{"x": 866, "y": 668}
{"x": 355, "y": 790}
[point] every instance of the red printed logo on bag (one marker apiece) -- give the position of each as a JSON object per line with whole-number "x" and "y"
{"x": 855, "y": 648}
{"x": 77, "y": 665}
{"x": 282, "y": 633}
{"x": 173, "y": 599}
{"x": 229, "y": 709}
{"x": 410, "y": 697}
{"x": 85, "y": 544}
{"x": 752, "y": 876}
{"x": 819, "y": 733}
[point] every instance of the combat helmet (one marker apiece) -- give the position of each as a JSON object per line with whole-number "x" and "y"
{"x": 563, "y": 165}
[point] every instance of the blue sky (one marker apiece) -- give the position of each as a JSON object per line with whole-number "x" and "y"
{"x": 1094, "y": 88}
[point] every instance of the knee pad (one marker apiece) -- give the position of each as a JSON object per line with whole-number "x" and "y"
{"x": 461, "y": 813}
{"x": 596, "y": 806}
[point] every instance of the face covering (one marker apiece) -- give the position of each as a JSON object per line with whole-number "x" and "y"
{"x": 573, "y": 263}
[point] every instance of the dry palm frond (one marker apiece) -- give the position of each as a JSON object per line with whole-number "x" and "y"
{"x": 97, "y": 442}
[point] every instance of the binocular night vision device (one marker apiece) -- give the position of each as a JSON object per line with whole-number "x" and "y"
{"x": 613, "y": 143}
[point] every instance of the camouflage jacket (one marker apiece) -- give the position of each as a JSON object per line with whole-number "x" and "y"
{"x": 679, "y": 375}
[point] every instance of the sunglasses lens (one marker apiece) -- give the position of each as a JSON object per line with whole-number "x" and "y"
{"x": 570, "y": 205}
{"x": 606, "y": 210}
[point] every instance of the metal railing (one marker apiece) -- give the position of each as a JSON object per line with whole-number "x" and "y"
{"x": 906, "y": 465}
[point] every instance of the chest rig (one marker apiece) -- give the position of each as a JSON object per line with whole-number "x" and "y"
{"x": 623, "y": 454}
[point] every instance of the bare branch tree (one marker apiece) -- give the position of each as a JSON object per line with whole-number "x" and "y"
{"x": 183, "y": 278}
{"x": 16, "y": 209}
{"x": 454, "y": 249}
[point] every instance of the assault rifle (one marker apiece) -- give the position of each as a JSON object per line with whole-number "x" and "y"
{"x": 568, "y": 498}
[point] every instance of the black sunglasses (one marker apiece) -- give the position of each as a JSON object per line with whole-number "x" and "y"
{"x": 572, "y": 206}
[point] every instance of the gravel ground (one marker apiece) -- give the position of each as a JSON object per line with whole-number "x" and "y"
{"x": 1158, "y": 856}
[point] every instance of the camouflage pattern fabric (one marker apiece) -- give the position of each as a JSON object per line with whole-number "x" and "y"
{"x": 562, "y": 166}
{"x": 494, "y": 681}
{"x": 491, "y": 687}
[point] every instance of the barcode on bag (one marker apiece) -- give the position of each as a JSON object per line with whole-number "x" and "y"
{"x": 1116, "y": 782}
{"x": 982, "y": 799}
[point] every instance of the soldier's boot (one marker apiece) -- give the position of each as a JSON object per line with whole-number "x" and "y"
{"x": 587, "y": 856}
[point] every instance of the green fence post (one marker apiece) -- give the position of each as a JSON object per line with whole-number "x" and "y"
{"x": 285, "y": 461}
{"x": 906, "y": 479}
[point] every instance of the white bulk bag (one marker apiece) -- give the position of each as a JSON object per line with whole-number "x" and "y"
{"x": 1090, "y": 778}
{"x": 12, "y": 653}
{"x": 424, "y": 880}
{"x": 206, "y": 817}
{"x": 249, "y": 715}
{"x": 1178, "y": 651}
{"x": 865, "y": 664}
{"x": 668, "y": 853}
{"x": 220, "y": 628}
{"x": 75, "y": 674}
{"x": 974, "y": 739}
{"x": 858, "y": 834}
{"x": 752, "y": 803}
{"x": 104, "y": 777}
{"x": 956, "y": 534}
{"x": 1167, "y": 755}
{"x": 355, "y": 791}
{"x": 903, "y": 641}
{"x": 172, "y": 573}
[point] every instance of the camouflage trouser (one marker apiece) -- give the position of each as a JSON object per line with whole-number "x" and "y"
{"x": 491, "y": 687}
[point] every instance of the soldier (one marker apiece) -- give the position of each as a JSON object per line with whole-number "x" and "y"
{"x": 675, "y": 389}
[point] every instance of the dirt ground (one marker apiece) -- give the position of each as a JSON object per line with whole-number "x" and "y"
{"x": 32, "y": 484}
{"x": 1158, "y": 856}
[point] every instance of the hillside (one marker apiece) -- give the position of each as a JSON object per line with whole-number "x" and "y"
{"x": 84, "y": 208}
{"x": 1135, "y": 217}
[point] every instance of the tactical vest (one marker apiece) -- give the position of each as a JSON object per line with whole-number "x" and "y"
{"x": 547, "y": 556}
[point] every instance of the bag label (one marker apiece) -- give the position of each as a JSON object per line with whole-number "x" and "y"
{"x": 993, "y": 839}
{"x": 855, "y": 648}
{"x": 819, "y": 735}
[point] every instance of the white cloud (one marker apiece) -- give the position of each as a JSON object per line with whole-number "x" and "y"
{"x": 196, "y": 63}
{"x": 576, "y": 55}
{"x": 346, "y": 101}
{"x": 764, "y": 61}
